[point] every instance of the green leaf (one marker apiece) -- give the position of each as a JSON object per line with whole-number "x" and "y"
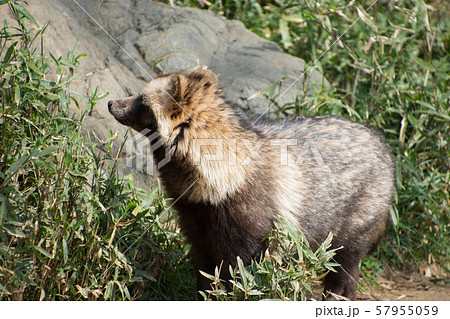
{"x": 435, "y": 113}
{"x": 3, "y": 211}
{"x": 364, "y": 18}
{"x": 109, "y": 290}
{"x": 243, "y": 272}
{"x": 255, "y": 292}
{"x": 75, "y": 93}
{"x": 35, "y": 153}
{"x": 14, "y": 232}
{"x": 203, "y": 295}
{"x": 121, "y": 257}
{"x": 13, "y": 222}
{"x": 17, "y": 95}
{"x": 285, "y": 34}
{"x": 42, "y": 296}
{"x": 35, "y": 68}
{"x": 9, "y": 53}
{"x": 83, "y": 291}
{"x": 204, "y": 274}
{"x": 23, "y": 11}
{"x": 43, "y": 252}
{"x": 423, "y": 14}
{"x": 46, "y": 151}
{"x": 2, "y": 288}
{"x": 424, "y": 64}
{"x": 65, "y": 251}
{"x": 136, "y": 210}
{"x": 63, "y": 99}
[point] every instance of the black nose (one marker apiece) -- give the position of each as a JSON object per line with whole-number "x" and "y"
{"x": 110, "y": 103}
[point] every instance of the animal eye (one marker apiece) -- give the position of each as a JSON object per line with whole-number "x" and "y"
{"x": 139, "y": 99}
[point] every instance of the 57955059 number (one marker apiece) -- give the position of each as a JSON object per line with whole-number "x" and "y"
{"x": 407, "y": 310}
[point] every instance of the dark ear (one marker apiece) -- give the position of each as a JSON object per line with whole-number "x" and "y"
{"x": 173, "y": 95}
{"x": 205, "y": 77}
{"x": 173, "y": 87}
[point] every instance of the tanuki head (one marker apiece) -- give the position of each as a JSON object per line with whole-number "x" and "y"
{"x": 166, "y": 101}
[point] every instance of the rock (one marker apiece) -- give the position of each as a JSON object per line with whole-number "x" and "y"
{"x": 130, "y": 42}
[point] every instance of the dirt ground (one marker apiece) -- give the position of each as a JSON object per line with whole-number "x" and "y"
{"x": 410, "y": 287}
{"x": 400, "y": 286}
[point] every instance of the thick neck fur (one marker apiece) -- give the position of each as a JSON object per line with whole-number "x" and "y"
{"x": 206, "y": 137}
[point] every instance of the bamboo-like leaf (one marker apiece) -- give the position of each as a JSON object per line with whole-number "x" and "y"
{"x": 83, "y": 291}
{"x": 109, "y": 290}
{"x": 9, "y": 52}
{"x": 13, "y": 231}
{"x": 65, "y": 251}
{"x": 204, "y": 274}
{"x": 423, "y": 14}
{"x": 42, "y": 296}
{"x": 366, "y": 19}
{"x": 3, "y": 210}
{"x": 35, "y": 153}
{"x": 43, "y": 252}
{"x": 285, "y": 34}
{"x": 4, "y": 290}
{"x": 243, "y": 272}
{"x": 63, "y": 99}
{"x": 424, "y": 64}
{"x": 136, "y": 210}
{"x": 23, "y": 11}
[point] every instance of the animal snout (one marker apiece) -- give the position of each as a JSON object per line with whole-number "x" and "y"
{"x": 110, "y": 103}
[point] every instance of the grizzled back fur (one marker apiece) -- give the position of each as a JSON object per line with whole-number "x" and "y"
{"x": 232, "y": 180}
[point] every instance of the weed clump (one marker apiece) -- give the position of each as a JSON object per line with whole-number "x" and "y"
{"x": 70, "y": 229}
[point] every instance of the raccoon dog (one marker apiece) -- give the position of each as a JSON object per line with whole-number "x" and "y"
{"x": 232, "y": 179}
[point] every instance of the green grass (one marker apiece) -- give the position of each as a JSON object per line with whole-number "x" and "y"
{"x": 69, "y": 228}
{"x": 286, "y": 271}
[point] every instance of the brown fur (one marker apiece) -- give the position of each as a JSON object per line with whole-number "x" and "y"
{"x": 323, "y": 174}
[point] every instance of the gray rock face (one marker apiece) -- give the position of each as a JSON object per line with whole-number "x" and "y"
{"x": 130, "y": 42}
